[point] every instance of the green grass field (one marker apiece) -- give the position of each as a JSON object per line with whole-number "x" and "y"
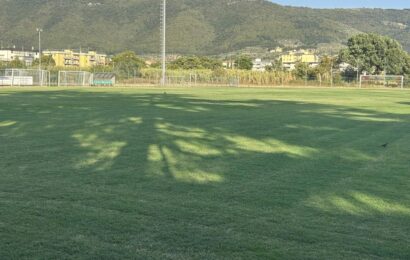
{"x": 204, "y": 173}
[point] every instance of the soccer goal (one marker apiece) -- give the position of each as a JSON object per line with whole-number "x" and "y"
{"x": 187, "y": 80}
{"x": 392, "y": 81}
{"x": 75, "y": 78}
{"x": 24, "y": 77}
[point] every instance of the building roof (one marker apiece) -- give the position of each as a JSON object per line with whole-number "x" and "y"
{"x": 104, "y": 75}
{"x": 18, "y": 50}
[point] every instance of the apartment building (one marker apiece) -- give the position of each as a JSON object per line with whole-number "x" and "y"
{"x": 290, "y": 59}
{"x": 27, "y": 57}
{"x": 70, "y": 58}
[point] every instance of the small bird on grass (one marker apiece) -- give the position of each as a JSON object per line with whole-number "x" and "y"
{"x": 385, "y": 145}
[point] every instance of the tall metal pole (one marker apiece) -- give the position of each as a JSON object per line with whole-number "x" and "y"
{"x": 331, "y": 73}
{"x": 163, "y": 43}
{"x": 40, "y": 74}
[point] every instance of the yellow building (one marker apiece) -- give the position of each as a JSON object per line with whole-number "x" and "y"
{"x": 290, "y": 59}
{"x": 70, "y": 58}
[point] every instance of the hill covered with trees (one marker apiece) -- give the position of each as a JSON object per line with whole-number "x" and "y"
{"x": 194, "y": 26}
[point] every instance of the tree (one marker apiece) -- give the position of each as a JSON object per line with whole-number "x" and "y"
{"x": 127, "y": 63}
{"x": 16, "y": 64}
{"x": 47, "y": 61}
{"x": 195, "y": 62}
{"x": 302, "y": 70}
{"x": 325, "y": 68}
{"x": 375, "y": 54}
{"x": 269, "y": 68}
{"x": 3, "y": 65}
{"x": 243, "y": 63}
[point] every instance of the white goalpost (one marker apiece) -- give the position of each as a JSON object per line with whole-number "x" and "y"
{"x": 393, "y": 81}
{"x": 75, "y": 78}
{"x": 24, "y": 77}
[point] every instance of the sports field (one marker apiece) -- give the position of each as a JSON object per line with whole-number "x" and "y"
{"x": 204, "y": 173}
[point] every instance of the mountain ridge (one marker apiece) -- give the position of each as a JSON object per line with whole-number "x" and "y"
{"x": 194, "y": 26}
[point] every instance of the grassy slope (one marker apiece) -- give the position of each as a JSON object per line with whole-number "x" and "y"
{"x": 204, "y": 173}
{"x": 194, "y": 26}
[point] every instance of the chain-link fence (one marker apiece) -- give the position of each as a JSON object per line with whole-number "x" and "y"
{"x": 27, "y": 77}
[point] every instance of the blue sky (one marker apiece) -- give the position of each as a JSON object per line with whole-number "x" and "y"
{"x": 399, "y": 4}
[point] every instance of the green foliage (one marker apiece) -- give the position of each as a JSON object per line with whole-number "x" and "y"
{"x": 243, "y": 63}
{"x": 127, "y": 64}
{"x": 46, "y": 61}
{"x": 302, "y": 70}
{"x": 376, "y": 54}
{"x": 3, "y": 65}
{"x": 195, "y": 62}
{"x": 194, "y": 27}
{"x": 16, "y": 64}
{"x": 326, "y": 64}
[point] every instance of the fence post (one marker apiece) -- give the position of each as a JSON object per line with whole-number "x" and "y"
{"x": 12, "y": 77}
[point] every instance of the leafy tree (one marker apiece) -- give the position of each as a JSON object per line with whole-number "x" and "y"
{"x": 127, "y": 64}
{"x": 325, "y": 68}
{"x": 302, "y": 70}
{"x": 326, "y": 65}
{"x": 3, "y": 65}
{"x": 243, "y": 63}
{"x": 195, "y": 62}
{"x": 46, "y": 61}
{"x": 375, "y": 54}
{"x": 269, "y": 68}
{"x": 16, "y": 64}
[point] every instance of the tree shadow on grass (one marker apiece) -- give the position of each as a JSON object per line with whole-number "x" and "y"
{"x": 178, "y": 175}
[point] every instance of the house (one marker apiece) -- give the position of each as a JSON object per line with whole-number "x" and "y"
{"x": 260, "y": 65}
{"x": 276, "y": 50}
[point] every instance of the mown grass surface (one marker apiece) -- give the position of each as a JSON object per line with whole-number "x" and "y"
{"x": 204, "y": 173}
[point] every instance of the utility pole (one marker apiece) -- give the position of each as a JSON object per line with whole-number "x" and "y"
{"x": 40, "y": 74}
{"x": 163, "y": 41}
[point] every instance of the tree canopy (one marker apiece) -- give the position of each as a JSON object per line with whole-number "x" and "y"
{"x": 16, "y": 64}
{"x": 376, "y": 54}
{"x": 243, "y": 63}
{"x": 46, "y": 61}
{"x": 195, "y": 62}
{"x": 127, "y": 63}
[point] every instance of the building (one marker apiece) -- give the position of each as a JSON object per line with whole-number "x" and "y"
{"x": 276, "y": 50}
{"x": 70, "y": 58}
{"x": 260, "y": 65}
{"x": 228, "y": 64}
{"x": 290, "y": 59}
{"x": 27, "y": 57}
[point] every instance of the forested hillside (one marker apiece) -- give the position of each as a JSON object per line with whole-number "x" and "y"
{"x": 195, "y": 26}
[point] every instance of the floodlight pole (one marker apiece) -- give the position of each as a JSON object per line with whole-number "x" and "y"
{"x": 163, "y": 44}
{"x": 40, "y": 74}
